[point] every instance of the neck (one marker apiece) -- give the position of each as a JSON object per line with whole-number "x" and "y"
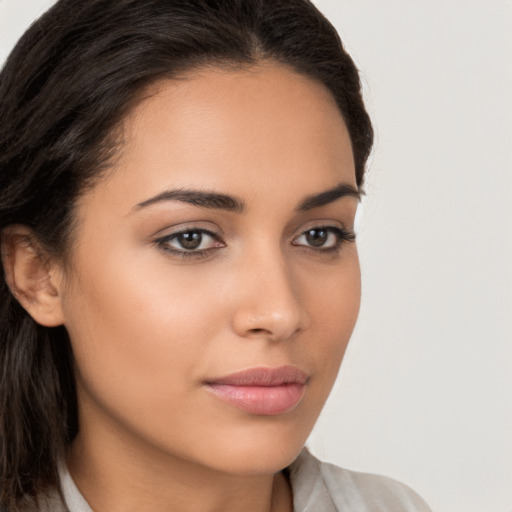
{"x": 114, "y": 478}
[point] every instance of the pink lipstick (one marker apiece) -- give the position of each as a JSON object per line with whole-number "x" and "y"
{"x": 261, "y": 391}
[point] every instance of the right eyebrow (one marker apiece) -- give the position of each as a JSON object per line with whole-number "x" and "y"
{"x": 197, "y": 198}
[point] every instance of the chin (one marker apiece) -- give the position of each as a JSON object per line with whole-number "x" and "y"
{"x": 257, "y": 450}
{"x": 260, "y": 460}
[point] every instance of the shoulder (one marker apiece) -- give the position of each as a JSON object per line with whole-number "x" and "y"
{"x": 317, "y": 483}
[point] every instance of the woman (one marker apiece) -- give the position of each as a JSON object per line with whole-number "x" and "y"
{"x": 179, "y": 181}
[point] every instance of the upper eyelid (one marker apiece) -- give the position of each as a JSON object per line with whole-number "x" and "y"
{"x": 218, "y": 232}
{"x": 187, "y": 227}
{"x": 173, "y": 234}
{"x": 343, "y": 233}
{"x": 337, "y": 228}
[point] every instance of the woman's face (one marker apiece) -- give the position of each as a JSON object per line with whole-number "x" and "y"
{"x": 213, "y": 283}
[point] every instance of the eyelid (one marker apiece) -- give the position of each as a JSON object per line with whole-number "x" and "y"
{"x": 333, "y": 224}
{"x": 185, "y": 226}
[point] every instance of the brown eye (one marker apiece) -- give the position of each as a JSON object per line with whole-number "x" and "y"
{"x": 190, "y": 240}
{"x": 319, "y": 238}
{"x": 316, "y": 237}
{"x": 324, "y": 239}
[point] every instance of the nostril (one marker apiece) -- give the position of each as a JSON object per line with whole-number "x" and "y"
{"x": 258, "y": 331}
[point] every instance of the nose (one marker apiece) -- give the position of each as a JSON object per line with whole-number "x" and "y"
{"x": 268, "y": 304}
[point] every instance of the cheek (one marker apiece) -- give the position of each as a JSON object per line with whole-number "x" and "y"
{"x": 135, "y": 335}
{"x": 138, "y": 304}
{"x": 333, "y": 297}
{"x": 334, "y": 302}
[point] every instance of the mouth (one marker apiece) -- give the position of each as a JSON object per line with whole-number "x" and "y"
{"x": 261, "y": 391}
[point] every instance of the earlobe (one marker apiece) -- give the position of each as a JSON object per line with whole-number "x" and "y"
{"x": 31, "y": 276}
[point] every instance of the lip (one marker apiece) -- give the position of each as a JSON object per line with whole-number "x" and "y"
{"x": 261, "y": 391}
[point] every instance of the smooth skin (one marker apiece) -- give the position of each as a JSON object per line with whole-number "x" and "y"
{"x": 266, "y": 278}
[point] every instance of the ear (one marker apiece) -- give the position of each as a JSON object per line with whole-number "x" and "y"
{"x": 30, "y": 275}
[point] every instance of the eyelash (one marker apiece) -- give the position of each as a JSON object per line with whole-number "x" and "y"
{"x": 343, "y": 236}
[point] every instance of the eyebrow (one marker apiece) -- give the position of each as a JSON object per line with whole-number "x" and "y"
{"x": 230, "y": 203}
{"x": 329, "y": 196}
{"x": 198, "y": 198}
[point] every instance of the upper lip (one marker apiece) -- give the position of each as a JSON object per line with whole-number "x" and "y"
{"x": 262, "y": 376}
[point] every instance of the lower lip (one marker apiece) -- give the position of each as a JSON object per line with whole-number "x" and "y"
{"x": 261, "y": 400}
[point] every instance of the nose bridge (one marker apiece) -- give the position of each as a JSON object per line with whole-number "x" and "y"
{"x": 270, "y": 304}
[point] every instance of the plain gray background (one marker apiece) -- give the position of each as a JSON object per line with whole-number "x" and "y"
{"x": 425, "y": 389}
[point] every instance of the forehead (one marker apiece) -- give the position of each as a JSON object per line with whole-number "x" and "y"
{"x": 264, "y": 127}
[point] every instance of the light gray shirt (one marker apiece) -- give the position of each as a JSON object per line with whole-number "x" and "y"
{"x": 317, "y": 487}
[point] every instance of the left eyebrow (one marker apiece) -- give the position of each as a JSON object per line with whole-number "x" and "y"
{"x": 329, "y": 196}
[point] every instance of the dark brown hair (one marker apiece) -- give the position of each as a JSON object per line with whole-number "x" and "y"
{"x": 65, "y": 87}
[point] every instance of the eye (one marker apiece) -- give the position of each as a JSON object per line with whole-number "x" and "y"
{"x": 189, "y": 242}
{"x": 324, "y": 238}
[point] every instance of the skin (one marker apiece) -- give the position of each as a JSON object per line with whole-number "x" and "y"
{"x": 149, "y": 326}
